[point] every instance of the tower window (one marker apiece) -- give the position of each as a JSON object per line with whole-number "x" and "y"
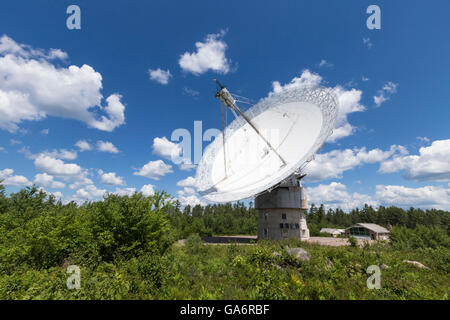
{"x": 283, "y": 216}
{"x": 265, "y": 216}
{"x": 281, "y": 226}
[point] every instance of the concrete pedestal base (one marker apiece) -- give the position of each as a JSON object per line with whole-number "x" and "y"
{"x": 278, "y": 224}
{"x": 282, "y": 214}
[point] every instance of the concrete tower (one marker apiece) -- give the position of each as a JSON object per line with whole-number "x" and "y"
{"x": 281, "y": 212}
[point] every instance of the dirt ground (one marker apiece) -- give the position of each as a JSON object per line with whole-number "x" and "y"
{"x": 245, "y": 239}
{"x": 336, "y": 242}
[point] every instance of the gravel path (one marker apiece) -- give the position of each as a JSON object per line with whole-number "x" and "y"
{"x": 245, "y": 239}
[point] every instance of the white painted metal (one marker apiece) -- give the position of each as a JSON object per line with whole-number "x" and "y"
{"x": 291, "y": 126}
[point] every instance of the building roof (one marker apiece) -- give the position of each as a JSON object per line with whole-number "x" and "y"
{"x": 332, "y": 230}
{"x": 373, "y": 227}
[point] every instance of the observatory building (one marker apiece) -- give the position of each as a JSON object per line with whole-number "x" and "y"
{"x": 282, "y": 212}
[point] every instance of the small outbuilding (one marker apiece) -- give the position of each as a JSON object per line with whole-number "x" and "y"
{"x": 334, "y": 232}
{"x": 369, "y": 231}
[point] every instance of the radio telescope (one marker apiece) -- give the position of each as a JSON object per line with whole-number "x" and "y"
{"x": 262, "y": 154}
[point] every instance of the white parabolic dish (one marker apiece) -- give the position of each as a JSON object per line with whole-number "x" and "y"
{"x": 296, "y": 122}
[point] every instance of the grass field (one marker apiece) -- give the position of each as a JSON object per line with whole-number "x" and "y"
{"x": 127, "y": 248}
{"x": 199, "y": 271}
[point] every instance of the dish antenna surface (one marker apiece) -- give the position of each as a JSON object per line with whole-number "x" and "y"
{"x": 267, "y": 144}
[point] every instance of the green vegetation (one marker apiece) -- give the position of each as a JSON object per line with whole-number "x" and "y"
{"x": 353, "y": 242}
{"x": 419, "y": 237}
{"x": 317, "y": 218}
{"x": 238, "y": 219}
{"x": 126, "y": 248}
{"x": 225, "y": 219}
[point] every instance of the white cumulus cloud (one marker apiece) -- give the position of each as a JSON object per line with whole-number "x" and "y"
{"x": 56, "y": 167}
{"x": 57, "y": 194}
{"x": 159, "y": 75}
{"x": 32, "y": 88}
{"x": 79, "y": 181}
{"x": 88, "y": 192}
{"x": 188, "y": 182}
{"x": 165, "y": 148}
{"x": 47, "y": 181}
{"x": 62, "y": 154}
{"x": 83, "y": 145}
{"x": 335, "y": 195}
{"x": 125, "y": 191}
{"x": 69, "y": 172}
{"x": 154, "y": 170}
{"x": 436, "y": 197}
{"x": 306, "y": 79}
{"x": 13, "y": 180}
{"x": 110, "y": 178}
{"x": 148, "y": 190}
{"x": 210, "y": 55}
{"x": 106, "y": 146}
{"x": 431, "y": 164}
{"x": 188, "y": 196}
{"x": 333, "y": 164}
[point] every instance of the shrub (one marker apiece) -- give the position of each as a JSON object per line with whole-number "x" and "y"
{"x": 124, "y": 226}
{"x": 193, "y": 243}
{"x": 420, "y": 237}
{"x": 353, "y": 241}
{"x": 324, "y": 234}
{"x": 314, "y": 230}
{"x": 37, "y": 232}
{"x": 151, "y": 268}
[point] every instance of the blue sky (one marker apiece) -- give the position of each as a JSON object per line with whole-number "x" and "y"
{"x": 393, "y": 146}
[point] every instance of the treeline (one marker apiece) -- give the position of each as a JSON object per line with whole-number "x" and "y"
{"x": 217, "y": 219}
{"x": 238, "y": 218}
{"x": 411, "y": 229}
{"x": 318, "y": 217}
